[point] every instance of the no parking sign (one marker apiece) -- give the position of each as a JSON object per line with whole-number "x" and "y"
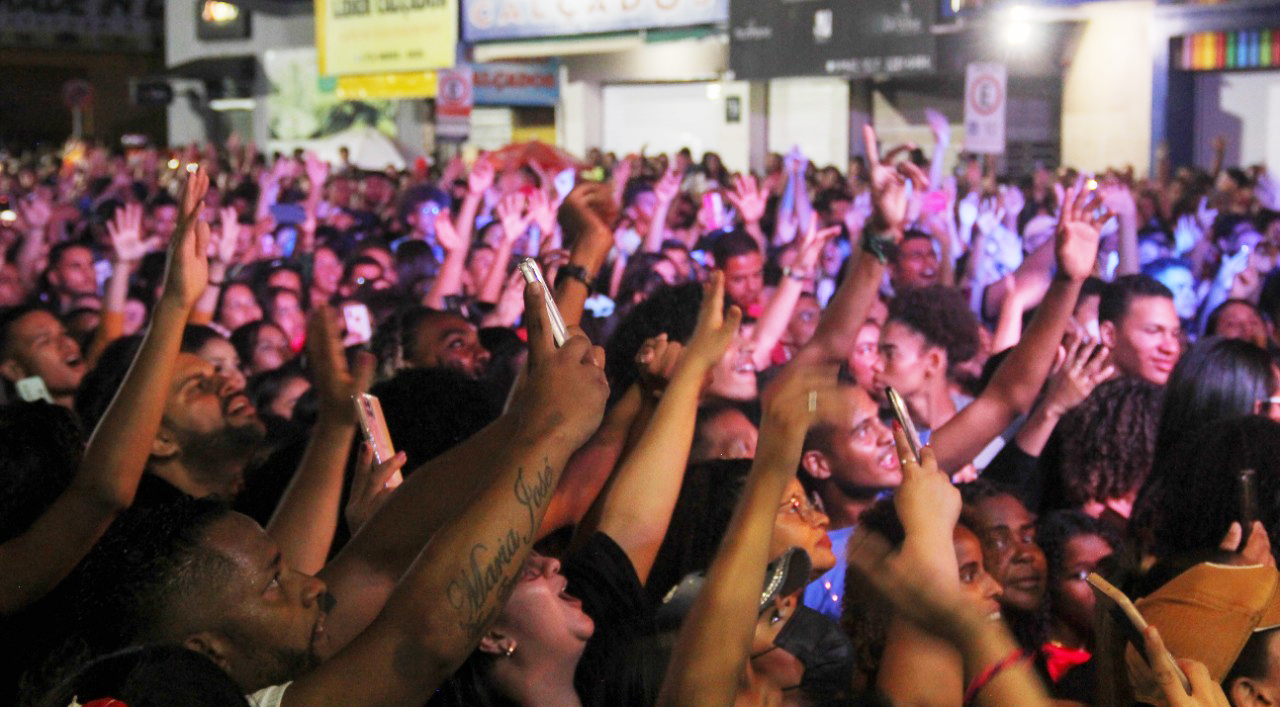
{"x": 985, "y": 100}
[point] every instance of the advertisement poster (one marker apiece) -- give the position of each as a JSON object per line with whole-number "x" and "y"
{"x": 525, "y": 19}
{"x": 385, "y": 36}
{"x": 302, "y": 107}
{"x": 780, "y": 38}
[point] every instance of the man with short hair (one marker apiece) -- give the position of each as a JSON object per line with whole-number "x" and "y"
{"x": 737, "y": 255}
{"x": 406, "y": 600}
{"x": 33, "y": 342}
{"x": 914, "y": 263}
{"x": 1138, "y": 322}
{"x": 70, "y": 275}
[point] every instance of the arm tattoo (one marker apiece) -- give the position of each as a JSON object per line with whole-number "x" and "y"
{"x": 480, "y": 591}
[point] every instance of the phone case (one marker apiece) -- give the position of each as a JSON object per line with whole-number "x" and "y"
{"x": 369, "y": 410}
{"x": 532, "y": 273}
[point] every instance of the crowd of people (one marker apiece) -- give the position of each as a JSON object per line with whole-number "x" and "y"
{"x": 700, "y": 496}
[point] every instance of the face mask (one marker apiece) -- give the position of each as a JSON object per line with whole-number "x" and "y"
{"x": 819, "y": 644}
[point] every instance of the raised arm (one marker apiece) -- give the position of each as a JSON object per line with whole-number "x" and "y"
{"x": 666, "y": 190}
{"x": 1018, "y": 380}
{"x": 847, "y": 311}
{"x": 449, "y": 281}
{"x": 460, "y": 580}
{"x": 750, "y": 200}
{"x": 306, "y": 518}
{"x": 515, "y": 220}
{"x": 637, "y": 506}
{"x": 34, "y": 562}
{"x": 714, "y": 645}
{"x": 777, "y": 313}
{"x": 478, "y": 182}
{"x": 584, "y": 218}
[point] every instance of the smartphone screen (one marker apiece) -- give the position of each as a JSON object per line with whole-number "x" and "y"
{"x": 532, "y": 273}
{"x": 1248, "y": 487}
{"x": 904, "y": 419}
{"x": 714, "y": 204}
{"x": 359, "y": 328}
{"x": 369, "y": 410}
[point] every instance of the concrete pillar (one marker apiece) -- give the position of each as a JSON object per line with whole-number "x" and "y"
{"x": 1106, "y": 95}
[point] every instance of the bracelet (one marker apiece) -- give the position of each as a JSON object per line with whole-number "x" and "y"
{"x": 797, "y": 275}
{"x": 878, "y": 244}
{"x": 986, "y": 676}
{"x": 576, "y": 272}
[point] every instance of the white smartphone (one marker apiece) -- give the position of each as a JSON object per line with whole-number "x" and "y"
{"x": 532, "y": 273}
{"x": 374, "y": 425}
{"x": 33, "y": 389}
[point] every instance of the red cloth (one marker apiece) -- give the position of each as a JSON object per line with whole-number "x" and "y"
{"x": 1060, "y": 660}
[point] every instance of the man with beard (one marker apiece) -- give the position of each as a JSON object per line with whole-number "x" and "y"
{"x": 436, "y": 339}
{"x": 406, "y": 600}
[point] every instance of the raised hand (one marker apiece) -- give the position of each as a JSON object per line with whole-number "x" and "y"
{"x": 514, "y": 216}
{"x": 446, "y": 235}
{"x": 1083, "y": 368}
{"x": 657, "y": 360}
{"x": 371, "y": 486}
{"x": 748, "y": 198}
{"x": 716, "y": 328}
{"x": 889, "y": 195}
{"x": 35, "y": 212}
{"x": 125, "y": 230}
{"x": 187, "y": 268}
{"x": 481, "y": 177}
{"x": 800, "y": 396}
{"x": 1077, "y": 236}
{"x": 566, "y": 389}
{"x": 667, "y": 188}
{"x": 812, "y": 243}
{"x": 1256, "y": 550}
{"x": 543, "y": 212}
{"x": 1118, "y": 198}
{"x": 588, "y": 212}
{"x": 928, "y": 504}
{"x": 1205, "y": 691}
{"x": 334, "y": 383}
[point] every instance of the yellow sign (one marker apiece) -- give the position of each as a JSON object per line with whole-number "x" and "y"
{"x": 385, "y": 36}
{"x": 418, "y": 84}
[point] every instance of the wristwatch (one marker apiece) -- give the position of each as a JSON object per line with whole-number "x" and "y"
{"x": 576, "y": 272}
{"x": 797, "y": 275}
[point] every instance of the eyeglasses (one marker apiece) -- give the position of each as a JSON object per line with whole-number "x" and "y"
{"x": 803, "y": 507}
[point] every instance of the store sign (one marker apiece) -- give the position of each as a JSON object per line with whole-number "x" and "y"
{"x": 985, "y": 99}
{"x": 523, "y": 19}
{"x": 778, "y": 38}
{"x": 385, "y": 36}
{"x": 131, "y": 25}
{"x": 517, "y": 84}
{"x": 455, "y": 96}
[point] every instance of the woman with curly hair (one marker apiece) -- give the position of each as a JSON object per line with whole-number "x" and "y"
{"x": 1107, "y": 445}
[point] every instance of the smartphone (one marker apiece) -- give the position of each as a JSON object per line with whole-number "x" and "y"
{"x": 935, "y": 201}
{"x": 532, "y": 273}
{"x": 369, "y": 410}
{"x": 564, "y": 182}
{"x": 1247, "y": 481}
{"x": 33, "y": 389}
{"x": 1126, "y": 615}
{"x": 714, "y": 203}
{"x": 904, "y": 419}
{"x": 359, "y": 327}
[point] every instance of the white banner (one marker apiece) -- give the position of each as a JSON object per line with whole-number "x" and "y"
{"x": 985, "y": 100}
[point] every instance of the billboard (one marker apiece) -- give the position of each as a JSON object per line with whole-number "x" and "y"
{"x": 524, "y": 19}
{"x": 780, "y": 38}
{"x": 385, "y": 36}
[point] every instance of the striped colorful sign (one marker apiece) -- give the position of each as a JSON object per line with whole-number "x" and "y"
{"x": 1241, "y": 49}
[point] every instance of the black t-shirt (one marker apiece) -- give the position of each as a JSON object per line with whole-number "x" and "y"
{"x": 602, "y": 576}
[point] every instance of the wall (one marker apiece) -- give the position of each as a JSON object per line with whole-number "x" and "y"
{"x": 666, "y": 117}
{"x": 814, "y": 114}
{"x": 1106, "y": 101}
{"x": 1244, "y": 108}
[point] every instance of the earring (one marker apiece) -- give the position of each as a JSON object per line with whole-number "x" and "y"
{"x": 509, "y": 650}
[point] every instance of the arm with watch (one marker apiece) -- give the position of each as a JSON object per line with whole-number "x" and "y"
{"x": 845, "y": 314}
{"x": 584, "y": 218}
{"x": 777, "y": 313}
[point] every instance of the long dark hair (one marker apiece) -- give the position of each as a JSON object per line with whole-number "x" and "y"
{"x": 1216, "y": 379}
